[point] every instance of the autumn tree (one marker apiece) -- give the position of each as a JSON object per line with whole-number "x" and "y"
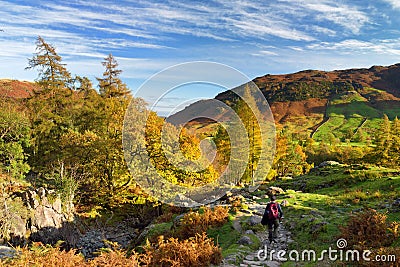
{"x": 387, "y": 148}
{"x": 248, "y": 111}
{"x": 52, "y": 107}
{"x": 383, "y": 142}
{"x": 52, "y": 72}
{"x": 290, "y": 158}
{"x": 360, "y": 136}
{"x": 175, "y": 153}
{"x": 223, "y": 146}
{"x": 97, "y": 136}
{"x": 110, "y": 84}
{"x": 82, "y": 84}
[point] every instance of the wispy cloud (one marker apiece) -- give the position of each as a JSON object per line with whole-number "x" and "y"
{"x": 296, "y": 48}
{"x": 346, "y": 16}
{"x": 152, "y": 25}
{"x": 323, "y": 30}
{"x": 255, "y": 28}
{"x": 357, "y": 46}
{"x": 147, "y": 36}
{"x": 265, "y": 53}
{"x": 394, "y": 3}
{"x": 349, "y": 17}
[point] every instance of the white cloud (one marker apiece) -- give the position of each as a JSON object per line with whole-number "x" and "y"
{"x": 268, "y": 53}
{"x": 296, "y": 48}
{"x": 151, "y": 23}
{"x": 358, "y": 46}
{"x": 394, "y": 3}
{"x": 347, "y": 16}
{"x": 323, "y": 30}
{"x": 231, "y": 31}
{"x": 255, "y": 28}
{"x": 16, "y": 49}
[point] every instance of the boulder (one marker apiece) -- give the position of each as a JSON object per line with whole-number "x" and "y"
{"x": 249, "y": 232}
{"x": 254, "y": 220}
{"x": 328, "y": 163}
{"x": 245, "y": 240}
{"x": 7, "y": 252}
{"x": 18, "y": 227}
{"x": 274, "y": 190}
{"x": 142, "y": 236}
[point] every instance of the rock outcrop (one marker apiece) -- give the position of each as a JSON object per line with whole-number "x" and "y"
{"x": 40, "y": 215}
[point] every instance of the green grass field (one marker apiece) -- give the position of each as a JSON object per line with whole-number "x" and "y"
{"x": 320, "y": 203}
{"x": 346, "y": 114}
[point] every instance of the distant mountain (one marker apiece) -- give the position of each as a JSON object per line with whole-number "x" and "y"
{"x": 308, "y": 84}
{"x": 307, "y": 98}
{"x": 16, "y": 89}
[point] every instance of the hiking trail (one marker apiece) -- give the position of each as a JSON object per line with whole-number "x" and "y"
{"x": 255, "y": 258}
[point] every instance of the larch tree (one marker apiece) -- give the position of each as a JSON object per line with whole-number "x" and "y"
{"x": 56, "y": 110}
{"x": 52, "y": 73}
{"x": 110, "y": 162}
{"x": 111, "y": 85}
{"x": 51, "y": 106}
{"x": 247, "y": 110}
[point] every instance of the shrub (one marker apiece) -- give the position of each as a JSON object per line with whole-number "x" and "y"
{"x": 114, "y": 258}
{"x": 168, "y": 213}
{"x": 369, "y": 229}
{"x": 236, "y": 205}
{"x": 195, "y": 251}
{"x": 45, "y": 256}
{"x": 48, "y": 256}
{"x": 198, "y": 222}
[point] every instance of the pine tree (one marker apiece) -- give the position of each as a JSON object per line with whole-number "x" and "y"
{"x": 52, "y": 73}
{"x": 51, "y": 107}
{"x": 82, "y": 84}
{"x": 111, "y": 85}
{"x": 115, "y": 98}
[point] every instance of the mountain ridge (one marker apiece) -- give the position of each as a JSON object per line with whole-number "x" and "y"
{"x": 307, "y": 94}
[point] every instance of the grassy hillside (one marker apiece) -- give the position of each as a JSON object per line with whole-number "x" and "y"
{"x": 355, "y": 112}
{"x": 353, "y": 100}
{"x": 322, "y": 202}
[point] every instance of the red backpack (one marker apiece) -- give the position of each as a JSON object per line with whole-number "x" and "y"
{"x": 273, "y": 211}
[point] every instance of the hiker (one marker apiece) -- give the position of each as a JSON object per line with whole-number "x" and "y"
{"x": 273, "y": 215}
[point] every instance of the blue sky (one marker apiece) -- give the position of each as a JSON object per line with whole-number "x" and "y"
{"x": 255, "y": 37}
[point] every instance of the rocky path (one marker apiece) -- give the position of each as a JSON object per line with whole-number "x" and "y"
{"x": 267, "y": 253}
